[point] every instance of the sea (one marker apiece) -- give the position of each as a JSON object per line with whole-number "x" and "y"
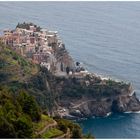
{"x": 104, "y": 36}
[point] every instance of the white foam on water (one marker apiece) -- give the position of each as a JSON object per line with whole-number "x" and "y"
{"x": 132, "y": 112}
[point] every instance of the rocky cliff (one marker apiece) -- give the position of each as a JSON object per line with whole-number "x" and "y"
{"x": 90, "y": 96}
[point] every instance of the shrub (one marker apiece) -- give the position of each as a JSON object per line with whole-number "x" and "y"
{"x": 62, "y": 126}
{"x": 29, "y": 106}
{"x": 6, "y": 129}
{"x": 76, "y": 133}
{"x": 24, "y": 127}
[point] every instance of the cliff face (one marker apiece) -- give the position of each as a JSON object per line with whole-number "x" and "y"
{"x": 62, "y": 60}
{"x": 103, "y": 108}
{"x": 126, "y": 104}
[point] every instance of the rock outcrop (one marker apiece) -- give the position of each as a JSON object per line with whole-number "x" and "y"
{"x": 102, "y": 108}
{"x": 98, "y": 98}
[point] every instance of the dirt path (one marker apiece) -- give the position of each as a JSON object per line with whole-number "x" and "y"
{"x": 66, "y": 135}
{"x": 47, "y": 127}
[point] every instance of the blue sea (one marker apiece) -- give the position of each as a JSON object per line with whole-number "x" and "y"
{"x": 105, "y": 36}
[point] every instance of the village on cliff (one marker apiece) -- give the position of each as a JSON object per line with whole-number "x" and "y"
{"x": 36, "y": 44}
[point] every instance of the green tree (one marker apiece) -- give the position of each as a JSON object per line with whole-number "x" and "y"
{"x": 89, "y": 136}
{"x": 29, "y": 106}
{"x": 24, "y": 127}
{"x": 6, "y": 129}
{"x": 10, "y": 111}
{"x": 76, "y": 132}
{"x": 62, "y": 126}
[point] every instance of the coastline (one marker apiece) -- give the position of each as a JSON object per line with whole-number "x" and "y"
{"x": 80, "y": 93}
{"x": 104, "y": 36}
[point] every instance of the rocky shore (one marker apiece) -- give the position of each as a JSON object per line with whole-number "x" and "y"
{"x": 103, "y": 108}
{"x": 89, "y": 101}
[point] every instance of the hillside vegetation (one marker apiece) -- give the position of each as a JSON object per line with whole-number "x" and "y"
{"x": 17, "y": 114}
{"x": 26, "y": 98}
{"x": 14, "y": 67}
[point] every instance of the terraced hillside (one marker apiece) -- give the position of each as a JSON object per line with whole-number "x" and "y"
{"x": 21, "y": 85}
{"x": 14, "y": 67}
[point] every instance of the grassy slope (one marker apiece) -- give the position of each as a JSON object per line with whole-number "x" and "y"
{"x": 45, "y": 120}
{"x": 52, "y": 133}
{"x": 14, "y": 66}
